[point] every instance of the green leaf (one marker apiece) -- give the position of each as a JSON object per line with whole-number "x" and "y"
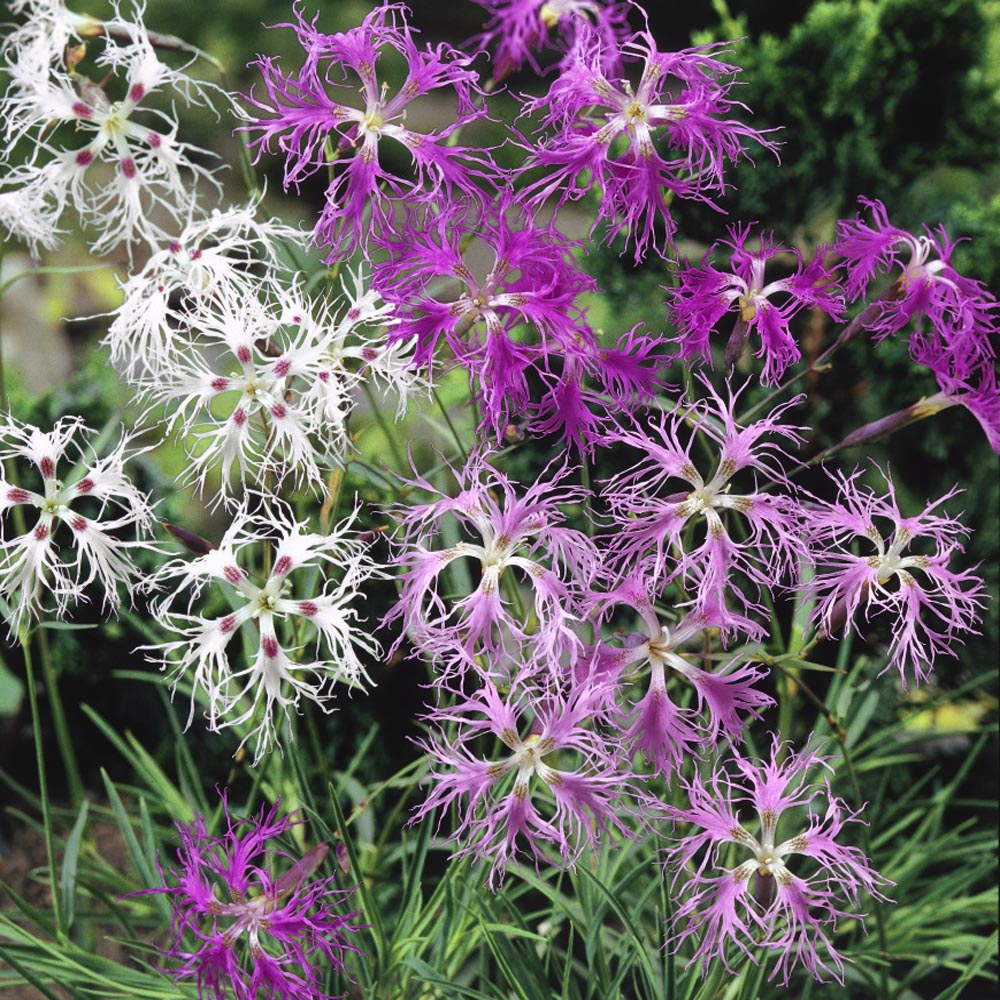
{"x": 67, "y": 880}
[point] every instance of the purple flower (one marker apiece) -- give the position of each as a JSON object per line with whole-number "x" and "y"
{"x": 657, "y": 726}
{"x": 520, "y": 28}
{"x": 237, "y": 923}
{"x": 532, "y": 281}
{"x": 961, "y": 312}
{"x": 505, "y": 532}
{"x": 527, "y": 795}
{"x": 902, "y": 571}
{"x": 656, "y": 503}
{"x": 762, "y": 902}
{"x": 705, "y": 295}
{"x": 302, "y": 114}
{"x": 641, "y": 146}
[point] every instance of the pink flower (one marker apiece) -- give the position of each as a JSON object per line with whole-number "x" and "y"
{"x": 791, "y": 911}
{"x": 657, "y": 726}
{"x": 526, "y": 796}
{"x": 901, "y": 572}
{"x": 656, "y": 502}
{"x": 505, "y": 532}
{"x": 705, "y": 295}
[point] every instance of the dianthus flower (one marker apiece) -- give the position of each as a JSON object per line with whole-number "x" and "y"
{"x": 651, "y": 525}
{"x": 520, "y": 28}
{"x": 274, "y": 681}
{"x": 902, "y": 572}
{"x": 28, "y": 217}
{"x": 238, "y": 924}
{"x": 518, "y": 324}
{"x": 643, "y": 146}
{"x": 300, "y": 115}
{"x": 768, "y": 901}
{"x": 227, "y": 255}
{"x": 515, "y": 537}
{"x": 151, "y": 171}
{"x": 522, "y": 799}
{"x": 98, "y": 505}
{"x": 961, "y": 314}
{"x": 659, "y": 727}
{"x": 705, "y": 295}
{"x": 265, "y": 385}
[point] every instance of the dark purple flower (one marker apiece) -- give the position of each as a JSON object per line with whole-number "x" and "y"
{"x": 497, "y": 295}
{"x": 240, "y": 925}
{"x": 518, "y": 29}
{"x": 706, "y": 294}
{"x": 668, "y": 135}
{"x": 302, "y": 115}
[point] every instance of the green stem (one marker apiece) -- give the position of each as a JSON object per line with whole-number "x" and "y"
{"x": 43, "y": 790}
{"x": 451, "y": 425}
{"x": 63, "y": 740}
{"x": 391, "y": 439}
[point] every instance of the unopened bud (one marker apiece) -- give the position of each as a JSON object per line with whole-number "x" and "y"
{"x": 193, "y": 543}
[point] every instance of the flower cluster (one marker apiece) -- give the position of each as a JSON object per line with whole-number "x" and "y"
{"x": 271, "y": 934}
{"x": 586, "y": 646}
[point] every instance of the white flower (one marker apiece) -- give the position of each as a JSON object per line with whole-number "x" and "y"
{"x": 95, "y": 503}
{"x": 230, "y": 254}
{"x": 236, "y": 397}
{"x": 276, "y": 618}
{"x": 130, "y": 166}
{"x": 265, "y": 386}
{"x": 29, "y": 217}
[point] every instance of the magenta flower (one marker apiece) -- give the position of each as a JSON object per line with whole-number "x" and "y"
{"x": 302, "y": 114}
{"x": 657, "y": 726}
{"x": 658, "y": 499}
{"x": 532, "y": 282}
{"x": 517, "y": 326}
{"x": 705, "y": 295}
{"x": 238, "y": 924}
{"x": 506, "y": 532}
{"x": 521, "y": 798}
{"x": 640, "y": 146}
{"x": 520, "y": 28}
{"x": 763, "y": 903}
{"x": 962, "y": 313}
{"x": 901, "y": 572}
